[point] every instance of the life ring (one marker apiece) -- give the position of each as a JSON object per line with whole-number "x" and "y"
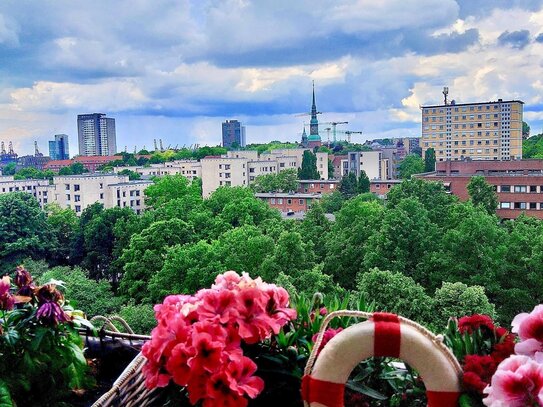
{"x": 385, "y": 335}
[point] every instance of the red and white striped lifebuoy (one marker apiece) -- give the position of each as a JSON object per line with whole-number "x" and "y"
{"x": 384, "y": 335}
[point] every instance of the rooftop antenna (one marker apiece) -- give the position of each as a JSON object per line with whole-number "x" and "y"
{"x": 445, "y": 93}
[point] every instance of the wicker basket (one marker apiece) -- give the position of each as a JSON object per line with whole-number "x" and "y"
{"x": 129, "y": 389}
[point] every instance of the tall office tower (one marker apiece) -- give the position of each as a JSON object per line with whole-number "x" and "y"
{"x": 59, "y": 148}
{"x": 479, "y": 131}
{"x": 96, "y": 134}
{"x": 233, "y": 134}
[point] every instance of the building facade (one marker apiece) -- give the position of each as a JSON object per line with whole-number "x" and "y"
{"x": 9, "y": 184}
{"x": 286, "y": 203}
{"x": 77, "y": 192}
{"x": 240, "y": 168}
{"x": 479, "y": 131}
{"x": 371, "y": 162}
{"x": 96, "y": 135}
{"x": 59, "y": 148}
{"x": 382, "y": 187}
{"x": 318, "y": 186}
{"x": 190, "y": 169}
{"x": 518, "y": 183}
{"x": 233, "y": 134}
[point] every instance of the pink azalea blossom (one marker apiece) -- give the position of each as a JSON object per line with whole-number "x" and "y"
{"x": 518, "y": 382}
{"x": 218, "y": 305}
{"x": 530, "y": 331}
{"x": 227, "y": 281}
{"x": 241, "y": 372}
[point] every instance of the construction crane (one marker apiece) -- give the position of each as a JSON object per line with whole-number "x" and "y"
{"x": 37, "y": 150}
{"x": 334, "y": 124}
{"x": 3, "y": 148}
{"x": 154, "y": 141}
{"x": 328, "y": 134}
{"x": 305, "y": 114}
{"x": 161, "y": 148}
{"x": 11, "y": 151}
{"x": 348, "y": 133}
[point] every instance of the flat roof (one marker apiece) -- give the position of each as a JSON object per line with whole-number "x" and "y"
{"x": 386, "y": 181}
{"x": 286, "y": 195}
{"x": 91, "y": 175}
{"x": 137, "y": 182}
{"x": 314, "y": 181}
{"x": 473, "y": 103}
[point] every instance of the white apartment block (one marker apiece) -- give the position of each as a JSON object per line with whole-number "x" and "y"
{"x": 9, "y": 184}
{"x": 240, "y": 168}
{"x": 190, "y": 169}
{"x": 371, "y": 162}
{"x": 77, "y": 192}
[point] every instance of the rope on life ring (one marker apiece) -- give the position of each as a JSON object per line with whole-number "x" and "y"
{"x": 382, "y": 335}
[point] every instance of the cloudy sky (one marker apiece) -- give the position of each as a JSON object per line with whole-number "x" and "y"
{"x": 174, "y": 69}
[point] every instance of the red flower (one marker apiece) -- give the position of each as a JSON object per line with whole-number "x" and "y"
{"x": 217, "y": 305}
{"x": 219, "y": 390}
{"x": 478, "y": 371}
{"x": 471, "y": 323}
{"x": 6, "y": 299}
{"x": 208, "y": 352}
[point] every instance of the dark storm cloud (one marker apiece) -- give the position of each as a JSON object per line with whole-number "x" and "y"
{"x": 516, "y": 39}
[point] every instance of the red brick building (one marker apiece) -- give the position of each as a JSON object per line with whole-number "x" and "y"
{"x": 91, "y": 163}
{"x": 381, "y": 187}
{"x": 286, "y": 202}
{"x": 318, "y": 186}
{"x": 519, "y": 183}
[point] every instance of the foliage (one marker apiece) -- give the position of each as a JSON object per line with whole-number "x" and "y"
{"x": 63, "y": 225}
{"x": 348, "y": 185}
{"x": 91, "y": 296}
{"x": 363, "y": 183}
{"x": 331, "y": 169}
{"x": 429, "y": 160}
{"x": 332, "y": 202}
{"x": 9, "y": 169}
{"x": 482, "y": 193}
{"x": 75, "y": 168}
{"x": 132, "y": 175}
{"x": 284, "y": 181}
{"x": 42, "y": 352}
{"x": 141, "y": 317}
{"x": 308, "y": 170}
{"x": 167, "y": 188}
{"x": 532, "y": 147}
{"x": 23, "y": 230}
{"x": 394, "y": 292}
{"x": 525, "y": 129}
{"x": 411, "y": 164}
{"x": 457, "y": 299}
{"x": 33, "y": 173}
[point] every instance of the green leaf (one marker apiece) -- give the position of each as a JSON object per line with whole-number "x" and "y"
{"x": 5, "y": 396}
{"x": 368, "y": 391}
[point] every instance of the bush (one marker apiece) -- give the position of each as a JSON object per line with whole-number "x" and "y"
{"x": 141, "y": 317}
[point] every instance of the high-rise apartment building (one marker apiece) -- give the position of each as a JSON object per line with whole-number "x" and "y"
{"x": 59, "y": 148}
{"x": 96, "y": 134}
{"x": 479, "y": 131}
{"x": 233, "y": 134}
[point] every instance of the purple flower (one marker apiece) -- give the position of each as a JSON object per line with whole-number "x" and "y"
{"x": 49, "y": 293}
{"x": 51, "y": 313}
{"x": 22, "y": 277}
{"x": 6, "y": 299}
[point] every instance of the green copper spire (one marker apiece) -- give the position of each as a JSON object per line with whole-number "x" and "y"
{"x": 314, "y": 123}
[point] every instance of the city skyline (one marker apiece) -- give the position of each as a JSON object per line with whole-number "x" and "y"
{"x": 196, "y": 64}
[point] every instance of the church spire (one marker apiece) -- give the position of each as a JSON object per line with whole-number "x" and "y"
{"x": 314, "y": 123}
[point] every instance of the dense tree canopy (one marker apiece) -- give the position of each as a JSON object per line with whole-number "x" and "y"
{"x": 309, "y": 170}
{"x": 410, "y": 165}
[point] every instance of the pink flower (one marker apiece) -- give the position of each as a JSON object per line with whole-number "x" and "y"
{"x": 323, "y": 311}
{"x": 208, "y": 352}
{"x": 177, "y": 364}
{"x": 217, "y": 305}
{"x": 518, "y": 382}
{"x": 328, "y": 334}
{"x": 530, "y": 331}
{"x": 6, "y": 299}
{"x": 241, "y": 372}
{"x": 220, "y": 393}
{"x": 227, "y": 281}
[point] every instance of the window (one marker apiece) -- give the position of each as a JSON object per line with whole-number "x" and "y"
{"x": 67, "y": 197}
{"x": 76, "y": 187}
{"x": 77, "y": 208}
{"x": 505, "y": 205}
{"x": 301, "y": 201}
{"x": 77, "y": 198}
{"x": 67, "y": 187}
{"x": 533, "y": 205}
{"x": 520, "y": 188}
{"x": 520, "y": 205}
{"x": 272, "y": 201}
{"x": 101, "y": 186}
{"x": 280, "y": 201}
{"x": 289, "y": 201}
{"x": 533, "y": 188}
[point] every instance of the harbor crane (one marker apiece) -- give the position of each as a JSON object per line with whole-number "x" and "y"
{"x": 348, "y": 133}
{"x": 334, "y": 124}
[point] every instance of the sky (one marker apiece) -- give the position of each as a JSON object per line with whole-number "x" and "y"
{"x": 175, "y": 69}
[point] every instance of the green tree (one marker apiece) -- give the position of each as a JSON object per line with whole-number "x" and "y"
{"x": 411, "y": 164}
{"x": 78, "y": 168}
{"x": 63, "y": 224}
{"x": 315, "y": 228}
{"x": 77, "y": 249}
{"x": 429, "y": 160}
{"x": 140, "y": 317}
{"x": 525, "y": 129}
{"x": 357, "y": 220}
{"x": 457, "y": 300}
{"x": 331, "y": 169}
{"x": 482, "y": 193}
{"x": 145, "y": 255}
{"x": 332, "y": 203}
{"x": 396, "y": 293}
{"x": 9, "y": 169}
{"x": 132, "y": 175}
{"x": 309, "y": 166}
{"x": 348, "y": 185}
{"x": 166, "y": 189}
{"x": 363, "y": 183}
{"x": 24, "y": 231}
{"x": 284, "y": 181}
